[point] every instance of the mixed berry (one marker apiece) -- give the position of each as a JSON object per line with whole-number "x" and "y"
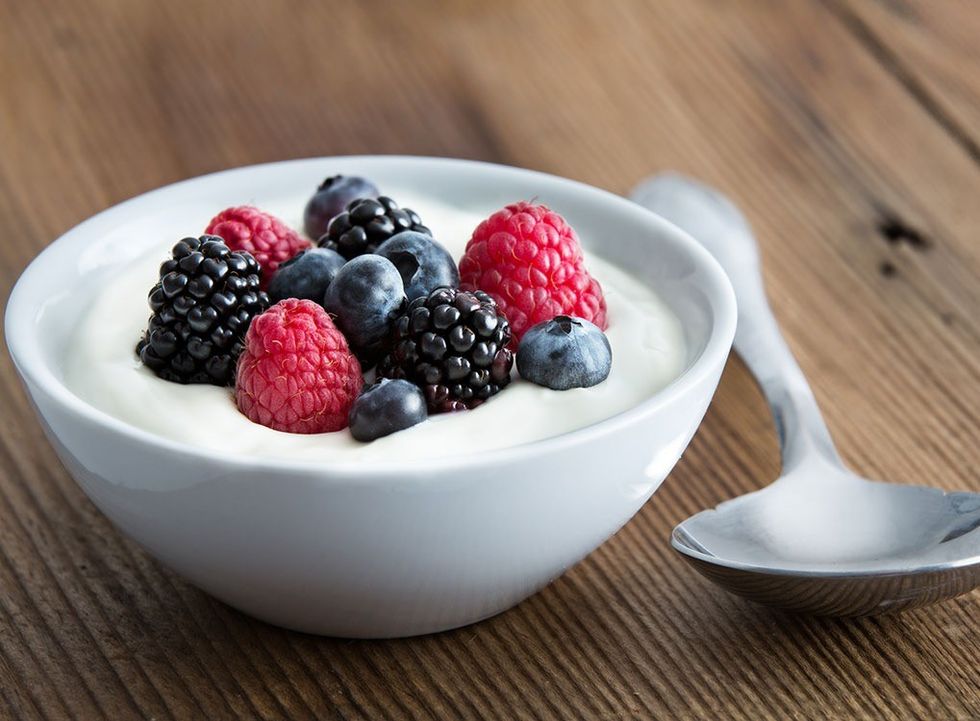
{"x": 385, "y": 407}
{"x": 366, "y": 224}
{"x": 564, "y": 353}
{"x": 294, "y": 326}
{"x": 423, "y": 263}
{"x": 332, "y": 198}
{"x": 296, "y": 373}
{"x": 265, "y": 237}
{"x": 365, "y": 298}
{"x": 529, "y": 259}
{"x": 306, "y": 275}
{"x": 454, "y": 345}
{"x": 202, "y": 306}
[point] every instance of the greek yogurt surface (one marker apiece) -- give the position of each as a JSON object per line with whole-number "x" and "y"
{"x": 102, "y": 368}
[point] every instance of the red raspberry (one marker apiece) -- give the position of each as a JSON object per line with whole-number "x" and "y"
{"x": 296, "y": 373}
{"x": 263, "y": 235}
{"x": 529, "y": 259}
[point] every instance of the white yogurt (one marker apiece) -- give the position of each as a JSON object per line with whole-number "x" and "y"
{"x": 646, "y": 338}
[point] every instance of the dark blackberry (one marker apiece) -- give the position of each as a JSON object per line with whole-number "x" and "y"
{"x": 366, "y": 224}
{"x": 202, "y": 305}
{"x": 453, "y": 345}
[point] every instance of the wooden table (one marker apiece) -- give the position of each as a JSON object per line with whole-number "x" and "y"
{"x": 848, "y": 130}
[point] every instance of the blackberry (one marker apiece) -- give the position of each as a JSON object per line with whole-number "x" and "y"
{"x": 202, "y": 305}
{"x": 366, "y": 224}
{"x": 453, "y": 345}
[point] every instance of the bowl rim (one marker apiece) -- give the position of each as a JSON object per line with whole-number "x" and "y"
{"x": 30, "y": 364}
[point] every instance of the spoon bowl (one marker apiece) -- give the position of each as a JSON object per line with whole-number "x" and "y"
{"x": 825, "y": 541}
{"x": 820, "y": 539}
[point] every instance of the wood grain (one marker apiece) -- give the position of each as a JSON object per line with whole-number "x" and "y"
{"x": 932, "y": 49}
{"x": 864, "y": 199}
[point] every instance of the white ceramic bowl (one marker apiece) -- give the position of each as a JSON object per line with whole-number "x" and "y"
{"x": 388, "y": 549}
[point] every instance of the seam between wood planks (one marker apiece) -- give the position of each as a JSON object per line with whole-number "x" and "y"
{"x": 892, "y": 63}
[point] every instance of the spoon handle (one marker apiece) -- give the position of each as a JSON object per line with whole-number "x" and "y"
{"x": 717, "y": 224}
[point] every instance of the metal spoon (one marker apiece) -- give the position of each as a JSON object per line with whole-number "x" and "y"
{"x": 820, "y": 539}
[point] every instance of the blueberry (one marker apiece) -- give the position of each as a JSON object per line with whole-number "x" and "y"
{"x": 306, "y": 275}
{"x": 331, "y": 198}
{"x": 424, "y": 263}
{"x": 386, "y": 407}
{"x": 564, "y": 353}
{"x": 364, "y": 297}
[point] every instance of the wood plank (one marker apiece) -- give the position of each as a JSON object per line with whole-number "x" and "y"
{"x": 932, "y": 49}
{"x": 865, "y": 208}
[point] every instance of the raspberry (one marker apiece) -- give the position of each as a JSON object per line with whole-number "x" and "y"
{"x": 529, "y": 260}
{"x": 296, "y": 373}
{"x": 263, "y": 235}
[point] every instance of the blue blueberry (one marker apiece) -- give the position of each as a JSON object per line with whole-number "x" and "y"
{"x": 564, "y": 353}
{"x": 386, "y": 407}
{"x": 424, "y": 263}
{"x": 364, "y": 297}
{"x": 306, "y": 275}
{"x": 331, "y": 198}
